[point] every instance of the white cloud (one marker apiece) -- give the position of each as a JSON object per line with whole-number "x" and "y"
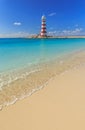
{"x": 52, "y": 14}
{"x": 76, "y": 31}
{"x": 67, "y": 32}
{"x": 17, "y": 23}
{"x": 15, "y": 35}
{"x": 52, "y": 32}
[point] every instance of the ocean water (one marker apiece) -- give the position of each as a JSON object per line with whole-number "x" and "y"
{"x": 19, "y": 53}
{"x": 27, "y": 64}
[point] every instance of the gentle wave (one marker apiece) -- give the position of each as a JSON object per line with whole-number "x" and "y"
{"x": 4, "y": 83}
{"x": 26, "y": 83}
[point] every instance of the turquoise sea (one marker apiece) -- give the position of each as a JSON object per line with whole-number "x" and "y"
{"x": 19, "y": 53}
{"x": 27, "y": 64}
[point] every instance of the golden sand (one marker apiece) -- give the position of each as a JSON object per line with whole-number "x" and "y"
{"x": 58, "y": 106}
{"x": 28, "y": 84}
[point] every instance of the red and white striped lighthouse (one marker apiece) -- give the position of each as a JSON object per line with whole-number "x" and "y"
{"x": 43, "y": 27}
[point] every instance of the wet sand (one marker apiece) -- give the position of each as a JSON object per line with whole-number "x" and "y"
{"x": 58, "y": 106}
{"x": 17, "y": 85}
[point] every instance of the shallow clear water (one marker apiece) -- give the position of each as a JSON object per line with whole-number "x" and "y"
{"x": 19, "y": 53}
{"x": 27, "y": 64}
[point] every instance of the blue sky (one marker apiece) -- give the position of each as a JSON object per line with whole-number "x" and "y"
{"x": 23, "y": 17}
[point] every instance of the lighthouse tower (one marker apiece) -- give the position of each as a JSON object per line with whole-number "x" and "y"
{"x": 43, "y": 27}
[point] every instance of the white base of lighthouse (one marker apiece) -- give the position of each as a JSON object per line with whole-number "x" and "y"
{"x": 44, "y": 35}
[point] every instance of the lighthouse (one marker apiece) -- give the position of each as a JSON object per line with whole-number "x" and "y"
{"x": 43, "y": 27}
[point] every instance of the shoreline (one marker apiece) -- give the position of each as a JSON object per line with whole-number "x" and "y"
{"x": 59, "y": 105}
{"x": 48, "y": 37}
{"x": 29, "y": 84}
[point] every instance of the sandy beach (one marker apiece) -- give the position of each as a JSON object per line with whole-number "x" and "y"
{"x": 58, "y": 106}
